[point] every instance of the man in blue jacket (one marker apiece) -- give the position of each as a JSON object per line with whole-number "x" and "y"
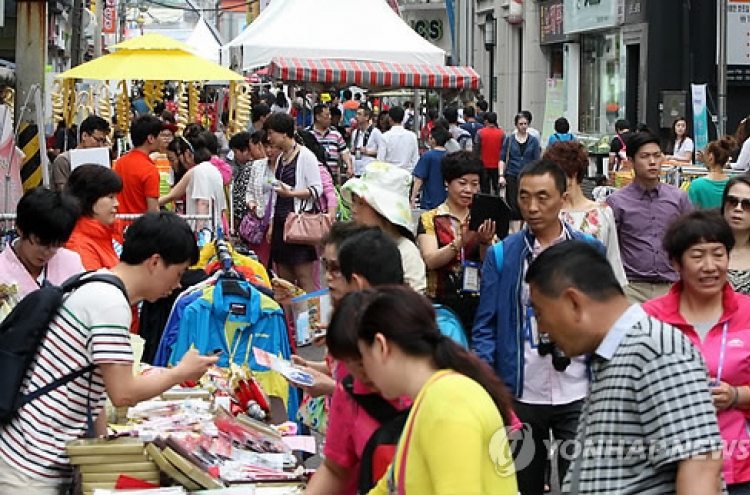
{"x": 549, "y": 387}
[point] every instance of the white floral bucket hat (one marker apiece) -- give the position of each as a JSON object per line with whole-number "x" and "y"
{"x": 386, "y": 188}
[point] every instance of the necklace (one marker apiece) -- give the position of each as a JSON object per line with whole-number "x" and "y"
{"x": 453, "y": 213}
{"x": 288, "y": 157}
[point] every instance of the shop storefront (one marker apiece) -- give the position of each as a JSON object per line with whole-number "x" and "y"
{"x": 601, "y": 70}
{"x": 552, "y": 35}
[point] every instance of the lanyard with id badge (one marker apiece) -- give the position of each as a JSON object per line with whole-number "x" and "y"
{"x": 470, "y": 270}
{"x": 541, "y": 342}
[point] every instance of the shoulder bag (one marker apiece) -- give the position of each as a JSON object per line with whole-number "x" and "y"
{"x": 307, "y": 227}
{"x": 253, "y": 229}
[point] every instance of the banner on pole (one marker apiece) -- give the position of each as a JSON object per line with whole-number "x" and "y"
{"x": 109, "y": 24}
{"x": 554, "y": 107}
{"x": 700, "y": 116}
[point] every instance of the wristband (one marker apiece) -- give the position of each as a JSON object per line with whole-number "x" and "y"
{"x": 736, "y": 398}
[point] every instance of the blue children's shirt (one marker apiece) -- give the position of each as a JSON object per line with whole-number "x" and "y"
{"x": 429, "y": 170}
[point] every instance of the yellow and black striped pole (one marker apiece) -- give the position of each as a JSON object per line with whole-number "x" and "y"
{"x": 31, "y": 169}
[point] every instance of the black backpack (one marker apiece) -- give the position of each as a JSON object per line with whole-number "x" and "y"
{"x": 22, "y": 333}
{"x": 380, "y": 449}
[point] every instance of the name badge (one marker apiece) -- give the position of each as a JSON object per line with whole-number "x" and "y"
{"x": 532, "y": 329}
{"x": 471, "y": 277}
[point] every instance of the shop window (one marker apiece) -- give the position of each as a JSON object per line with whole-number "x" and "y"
{"x": 601, "y": 99}
{"x": 556, "y": 62}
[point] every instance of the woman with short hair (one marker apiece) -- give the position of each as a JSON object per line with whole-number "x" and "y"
{"x": 96, "y": 188}
{"x": 299, "y": 183}
{"x": 449, "y": 249}
{"x": 716, "y": 319}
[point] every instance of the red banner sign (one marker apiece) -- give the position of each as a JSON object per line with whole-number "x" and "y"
{"x": 109, "y": 25}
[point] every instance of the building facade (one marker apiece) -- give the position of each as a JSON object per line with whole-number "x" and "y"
{"x": 631, "y": 59}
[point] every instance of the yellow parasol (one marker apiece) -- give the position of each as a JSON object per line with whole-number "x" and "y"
{"x": 152, "y": 65}
{"x": 152, "y": 57}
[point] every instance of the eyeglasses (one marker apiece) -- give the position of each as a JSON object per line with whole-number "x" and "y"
{"x": 733, "y": 201}
{"x": 101, "y": 140}
{"x": 331, "y": 266}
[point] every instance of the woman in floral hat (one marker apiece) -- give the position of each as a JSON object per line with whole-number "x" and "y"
{"x": 380, "y": 198}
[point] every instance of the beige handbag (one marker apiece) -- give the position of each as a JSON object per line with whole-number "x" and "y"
{"x": 307, "y": 227}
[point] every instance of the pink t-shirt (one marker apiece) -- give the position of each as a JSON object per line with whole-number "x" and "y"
{"x": 349, "y": 429}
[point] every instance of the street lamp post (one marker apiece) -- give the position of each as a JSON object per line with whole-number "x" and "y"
{"x": 490, "y": 41}
{"x": 722, "y": 73}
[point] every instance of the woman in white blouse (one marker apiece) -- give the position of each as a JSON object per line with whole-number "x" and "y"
{"x": 680, "y": 147}
{"x": 580, "y": 212}
{"x": 742, "y": 163}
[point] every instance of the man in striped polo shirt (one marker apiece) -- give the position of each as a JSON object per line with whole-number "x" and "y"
{"x": 332, "y": 141}
{"x": 92, "y": 327}
{"x": 649, "y": 424}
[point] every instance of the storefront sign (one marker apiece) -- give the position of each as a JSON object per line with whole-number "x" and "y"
{"x": 738, "y": 32}
{"x": 635, "y": 11}
{"x": 109, "y": 24}
{"x": 738, "y": 75}
{"x": 431, "y": 30}
{"x": 589, "y": 15}
{"x": 551, "y": 22}
{"x": 515, "y": 12}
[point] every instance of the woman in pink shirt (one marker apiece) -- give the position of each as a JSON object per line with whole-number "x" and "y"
{"x": 716, "y": 319}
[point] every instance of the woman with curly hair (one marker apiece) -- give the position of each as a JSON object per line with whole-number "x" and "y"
{"x": 580, "y": 212}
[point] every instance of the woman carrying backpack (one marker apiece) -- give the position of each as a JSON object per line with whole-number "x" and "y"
{"x": 459, "y": 405}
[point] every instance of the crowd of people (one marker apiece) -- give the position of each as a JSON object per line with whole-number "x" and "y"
{"x": 614, "y": 322}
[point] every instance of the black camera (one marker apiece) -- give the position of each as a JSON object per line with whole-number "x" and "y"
{"x": 559, "y": 360}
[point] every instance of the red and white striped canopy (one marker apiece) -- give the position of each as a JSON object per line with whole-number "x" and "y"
{"x": 373, "y": 74}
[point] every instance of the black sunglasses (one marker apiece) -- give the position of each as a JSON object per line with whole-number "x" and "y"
{"x": 733, "y": 201}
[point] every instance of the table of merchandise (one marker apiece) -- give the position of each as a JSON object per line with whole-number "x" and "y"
{"x": 197, "y": 439}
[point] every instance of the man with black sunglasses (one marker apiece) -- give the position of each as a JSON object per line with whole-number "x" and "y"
{"x": 643, "y": 211}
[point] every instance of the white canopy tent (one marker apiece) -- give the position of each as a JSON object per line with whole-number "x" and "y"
{"x": 302, "y": 29}
{"x": 203, "y": 42}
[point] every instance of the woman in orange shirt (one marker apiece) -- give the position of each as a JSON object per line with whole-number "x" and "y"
{"x": 96, "y": 189}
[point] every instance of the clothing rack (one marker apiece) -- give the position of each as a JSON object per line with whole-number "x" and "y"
{"x": 677, "y": 174}
{"x": 223, "y": 254}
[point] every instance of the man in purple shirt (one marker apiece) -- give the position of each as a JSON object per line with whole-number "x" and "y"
{"x": 643, "y": 211}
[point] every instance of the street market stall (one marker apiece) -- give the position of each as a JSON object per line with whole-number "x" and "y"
{"x": 230, "y": 427}
{"x": 301, "y": 28}
{"x": 154, "y": 59}
{"x": 373, "y": 74}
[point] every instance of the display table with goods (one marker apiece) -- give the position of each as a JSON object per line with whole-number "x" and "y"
{"x": 217, "y": 435}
